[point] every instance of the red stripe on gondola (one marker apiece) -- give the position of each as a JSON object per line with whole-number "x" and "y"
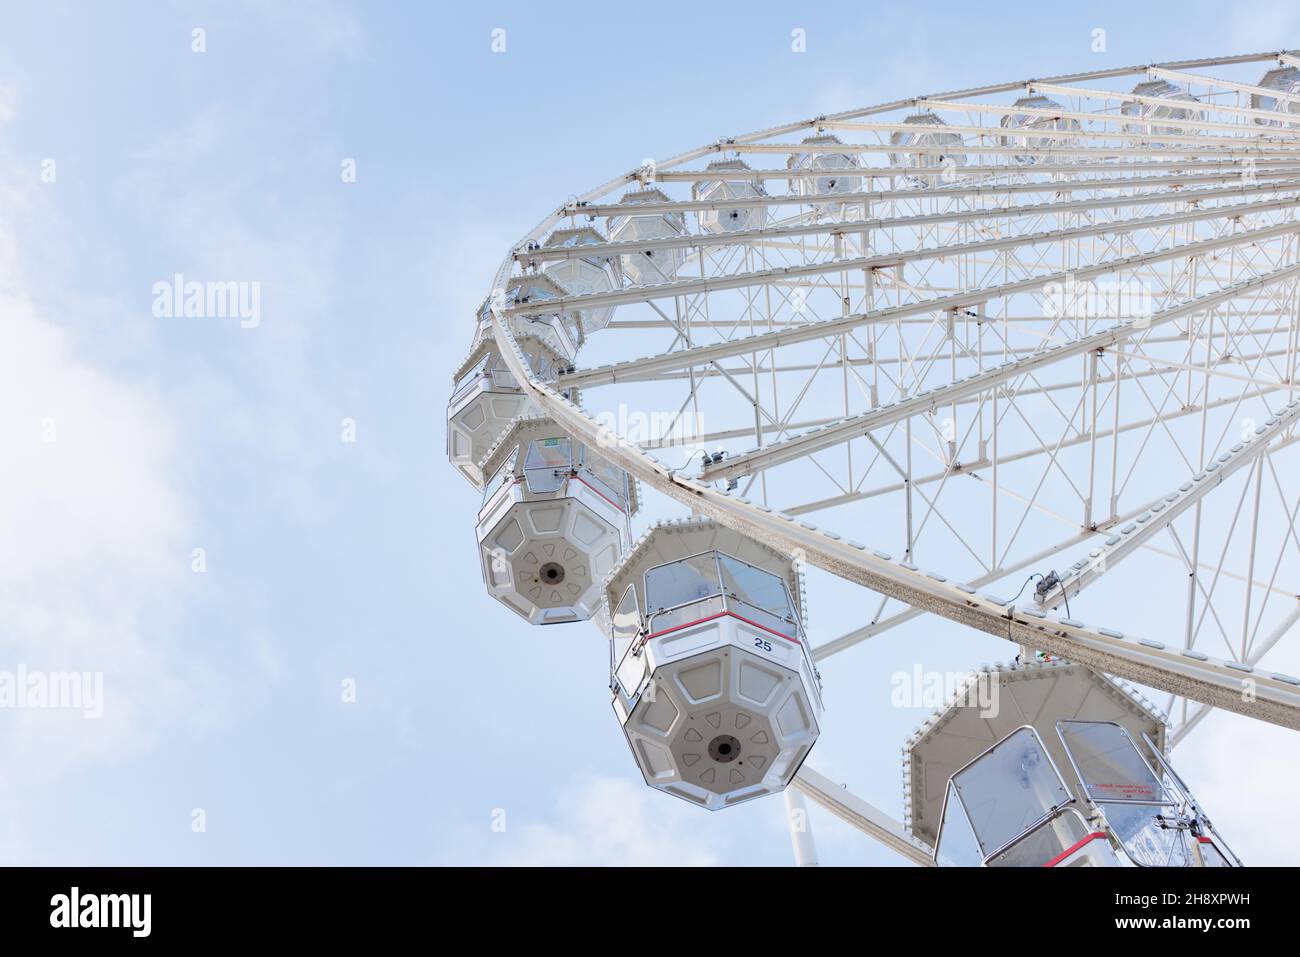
{"x": 732, "y": 614}
{"x": 1070, "y": 850}
{"x": 598, "y": 492}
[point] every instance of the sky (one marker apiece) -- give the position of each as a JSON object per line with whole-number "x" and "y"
{"x": 250, "y": 527}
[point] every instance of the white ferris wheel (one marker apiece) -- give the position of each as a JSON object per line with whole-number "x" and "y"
{"x": 1023, "y": 357}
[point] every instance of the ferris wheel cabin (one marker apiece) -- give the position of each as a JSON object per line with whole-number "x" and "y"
{"x": 650, "y": 265}
{"x": 1036, "y": 118}
{"x": 942, "y": 154}
{"x": 485, "y": 398}
{"x": 1285, "y": 80}
{"x": 582, "y": 276}
{"x": 711, "y": 675}
{"x": 1146, "y": 115}
{"x": 720, "y": 190}
{"x": 838, "y": 167}
{"x": 1052, "y": 765}
{"x": 554, "y": 521}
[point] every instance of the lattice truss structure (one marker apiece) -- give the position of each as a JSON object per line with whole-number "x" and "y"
{"x": 1040, "y": 325}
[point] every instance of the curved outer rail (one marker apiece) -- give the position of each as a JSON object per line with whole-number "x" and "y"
{"x": 1231, "y": 686}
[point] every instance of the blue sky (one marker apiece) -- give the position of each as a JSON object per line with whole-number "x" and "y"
{"x": 328, "y": 560}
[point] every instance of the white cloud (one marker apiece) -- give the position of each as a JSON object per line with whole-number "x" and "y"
{"x": 608, "y": 821}
{"x": 93, "y": 542}
{"x": 91, "y": 551}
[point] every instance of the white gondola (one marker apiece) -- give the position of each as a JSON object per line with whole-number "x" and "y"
{"x": 486, "y": 399}
{"x": 583, "y": 276}
{"x": 839, "y": 168}
{"x": 1147, "y": 115}
{"x": 730, "y": 220}
{"x": 932, "y": 167}
{"x": 533, "y": 291}
{"x": 1052, "y": 765}
{"x": 650, "y": 265}
{"x": 1035, "y": 120}
{"x": 553, "y": 524}
{"x": 1284, "y": 80}
{"x": 711, "y": 675}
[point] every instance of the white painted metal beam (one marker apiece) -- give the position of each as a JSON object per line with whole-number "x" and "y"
{"x": 801, "y": 836}
{"x": 1179, "y": 76}
{"x": 699, "y": 355}
{"x": 867, "y": 818}
{"x": 1256, "y": 654}
{"x": 1111, "y": 118}
{"x": 1192, "y": 107}
{"x": 1274, "y": 698}
{"x": 1170, "y": 174}
{"x": 931, "y": 400}
{"x": 789, "y": 274}
{"x": 1166, "y": 197}
{"x": 1133, "y": 535}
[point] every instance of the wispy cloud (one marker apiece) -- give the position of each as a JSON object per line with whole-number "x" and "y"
{"x": 605, "y": 822}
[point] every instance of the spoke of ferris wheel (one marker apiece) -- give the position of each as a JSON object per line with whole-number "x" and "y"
{"x": 1250, "y": 147}
{"x": 1279, "y": 631}
{"x": 758, "y": 237}
{"x": 1274, "y": 168}
{"x": 1162, "y": 365}
{"x": 1178, "y": 76}
{"x": 1256, "y": 147}
{"x": 1276, "y": 698}
{"x": 1007, "y": 458}
{"x": 877, "y": 627}
{"x": 858, "y": 813}
{"x": 1278, "y": 138}
{"x": 1186, "y": 123}
{"x": 673, "y": 439}
{"x": 932, "y": 399}
{"x": 1252, "y": 652}
{"x": 1114, "y": 96}
{"x": 820, "y": 329}
{"x": 972, "y": 178}
{"x": 889, "y": 260}
{"x": 1147, "y": 526}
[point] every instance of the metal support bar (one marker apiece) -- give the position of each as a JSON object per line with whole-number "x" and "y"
{"x": 1253, "y": 658}
{"x": 1275, "y": 698}
{"x": 931, "y": 400}
{"x": 867, "y": 818}
{"x": 801, "y": 837}
{"x": 820, "y": 329}
{"x": 1149, "y": 524}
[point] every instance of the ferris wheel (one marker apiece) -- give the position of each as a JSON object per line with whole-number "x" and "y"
{"x": 1023, "y": 357}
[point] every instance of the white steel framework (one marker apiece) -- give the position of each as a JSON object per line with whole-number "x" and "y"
{"x": 1044, "y": 349}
